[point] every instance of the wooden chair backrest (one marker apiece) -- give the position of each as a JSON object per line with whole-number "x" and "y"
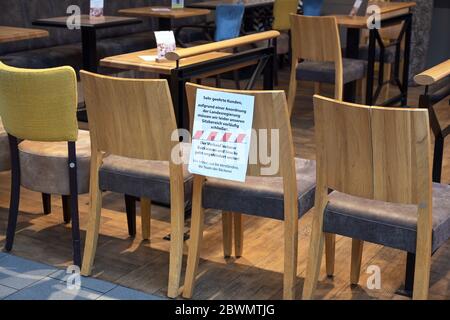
{"x": 373, "y": 152}
{"x": 270, "y": 112}
{"x": 129, "y": 117}
{"x": 317, "y": 39}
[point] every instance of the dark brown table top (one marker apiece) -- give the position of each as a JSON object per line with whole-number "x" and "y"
{"x": 212, "y": 4}
{"x": 164, "y": 12}
{"x": 88, "y": 22}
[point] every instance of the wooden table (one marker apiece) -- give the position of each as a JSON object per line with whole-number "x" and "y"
{"x": 165, "y": 15}
{"x": 89, "y": 27}
{"x": 391, "y": 13}
{"x": 9, "y": 34}
{"x": 189, "y": 64}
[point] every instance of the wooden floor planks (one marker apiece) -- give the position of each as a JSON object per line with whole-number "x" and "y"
{"x": 143, "y": 265}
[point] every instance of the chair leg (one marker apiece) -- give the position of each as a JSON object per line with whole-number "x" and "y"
{"x": 330, "y": 247}
{"x": 47, "y": 203}
{"x": 146, "y": 213}
{"x": 387, "y": 68}
{"x": 66, "y": 208}
{"x": 238, "y": 235}
{"x": 95, "y": 195}
{"x": 437, "y": 157}
{"x": 409, "y": 272}
{"x": 195, "y": 240}
{"x": 72, "y": 164}
{"x": 227, "y": 231}
{"x": 317, "y": 241}
{"x": 218, "y": 81}
{"x": 176, "y": 232}
{"x": 355, "y": 268}
{"x": 422, "y": 277}
{"x": 15, "y": 192}
{"x": 236, "y": 79}
{"x": 130, "y": 208}
{"x": 317, "y": 86}
{"x": 290, "y": 257}
{"x": 423, "y": 251}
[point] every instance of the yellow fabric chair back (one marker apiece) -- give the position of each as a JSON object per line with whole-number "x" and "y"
{"x": 281, "y": 11}
{"x": 39, "y": 104}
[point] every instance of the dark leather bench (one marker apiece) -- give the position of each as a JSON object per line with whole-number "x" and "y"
{"x": 63, "y": 46}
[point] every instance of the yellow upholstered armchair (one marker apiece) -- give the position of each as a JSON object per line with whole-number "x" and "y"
{"x": 38, "y": 108}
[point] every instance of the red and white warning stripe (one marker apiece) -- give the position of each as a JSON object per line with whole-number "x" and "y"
{"x": 212, "y": 135}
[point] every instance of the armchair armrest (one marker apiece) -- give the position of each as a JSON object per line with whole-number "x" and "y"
{"x": 434, "y": 74}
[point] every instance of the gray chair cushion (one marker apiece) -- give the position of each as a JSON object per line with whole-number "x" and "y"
{"x": 389, "y": 53}
{"x": 388, "y": 224}
{"x": 261, "y": 196}
{"x": 324, "y": 71}
{"x": 140, "y": 178}
{"x": 5, "y": 162}
{"x": 44, "y": 165}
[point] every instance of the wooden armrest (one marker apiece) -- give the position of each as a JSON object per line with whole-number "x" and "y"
{"x": 220, "y": 45}
{"x": 433, "y": 74}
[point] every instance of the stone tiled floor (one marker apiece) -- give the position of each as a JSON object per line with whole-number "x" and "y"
{"x": 22, "y": 279}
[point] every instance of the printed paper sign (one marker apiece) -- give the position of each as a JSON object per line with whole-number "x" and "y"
{"x": 221, "y": 134}
{"x": 165, "y": 42}
{"x": 96, "y": 8}
{"x": 177, "y": 4}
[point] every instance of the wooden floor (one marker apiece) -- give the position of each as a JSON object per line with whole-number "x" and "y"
{"x": 143, "y": 265}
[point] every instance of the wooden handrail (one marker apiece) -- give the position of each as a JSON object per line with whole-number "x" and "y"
{"x": 433, "y": 74}
{"x": 220, "y": 45}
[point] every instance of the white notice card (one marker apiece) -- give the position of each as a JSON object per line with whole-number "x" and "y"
{"x": 96, "y": 8}
{"x": 165, "y": 42}
{"x": 221, "y": 134}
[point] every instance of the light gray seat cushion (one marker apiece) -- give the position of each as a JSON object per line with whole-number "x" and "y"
{"x": 261, "y": 196}
{"x": 388, "y": 224}
{"x": 44, "y": 165}
{"x": 5, "y": 162}
{"x": 140, "y": 178}
{"x": 353, "y": 69}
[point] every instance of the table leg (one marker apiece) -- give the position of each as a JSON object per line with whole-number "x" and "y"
{"x": 179, "y": 99}
{"x": 352, "y": 52}
{"x": 164, "y": 24}
{"x": 89, "y": 47}
{"x": 407, "y": 49}
{"x": 269, "y": 72}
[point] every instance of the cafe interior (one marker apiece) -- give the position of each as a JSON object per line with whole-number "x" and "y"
{"x": 111, "y": 155}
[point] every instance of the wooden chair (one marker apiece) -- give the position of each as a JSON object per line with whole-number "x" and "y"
{"x": 132, "y": 121}
{"x": 316, "y": 43}
{"x": 437, "y": 87}
{"x": 39, "y": 109}
{"x": 286, "y": 195}
{"x": 377, "y": 161}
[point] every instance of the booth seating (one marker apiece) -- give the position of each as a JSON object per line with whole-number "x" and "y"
{"x": 53, "y": 157}
{"x": 437, "y": 88}
{"x": 63, "y": 47}
{"x": 285, "y": 194}
{"x": 377, "y": 161}
{"x": 138, "y": 158}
